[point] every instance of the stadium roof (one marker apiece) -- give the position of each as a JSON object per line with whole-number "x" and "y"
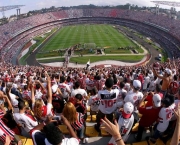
{"x": 168, "y": 3}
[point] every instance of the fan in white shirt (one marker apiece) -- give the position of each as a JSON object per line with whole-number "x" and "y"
{"x": 65, "y": 90}
{"x": 78, "y": 90}
{"x": 146, "y": 82}
{"x": 108, "y": 104}
{"x": 26, "y": 121}
{"x": 134, "y": 96}
{"x": 13, "y": 99}
{"x": 125, "y": 122}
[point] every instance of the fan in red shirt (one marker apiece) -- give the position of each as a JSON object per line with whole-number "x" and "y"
{"x": 149, "y": 97}
{"x": 146, "y": 119}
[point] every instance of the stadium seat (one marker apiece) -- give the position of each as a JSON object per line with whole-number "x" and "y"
{"x": 104, "y": 133}
{"x": 158, "y": 142}
{"x": 88, "y": 109}
{"x": 89, "y": 118}
{"x": 140, "y": 143}
{"x": 135, "y": 127}
{"x": 63, "y": 129}
{"x": 25, "y": 141}
{"x": 91, "y": 132}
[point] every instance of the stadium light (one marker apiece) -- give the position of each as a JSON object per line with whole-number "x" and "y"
{"x": 6, "y": 8}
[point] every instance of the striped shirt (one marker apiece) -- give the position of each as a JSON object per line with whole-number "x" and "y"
{"x": 1, "y": 114}
{"x": 79, "y": 122}
{"x": 4, "y": 130}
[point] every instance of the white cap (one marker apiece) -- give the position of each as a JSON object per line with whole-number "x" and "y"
{"x": 137, "y": 84}
{"x": 128, "y": 108}
{"x": 127, "y": 86}
{"x": 168, "y": 71}
{"x": 54, "y": 88}
{"x": 157, "y": 100}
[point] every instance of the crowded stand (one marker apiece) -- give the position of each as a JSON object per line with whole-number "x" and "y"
{"x": 12, "y": 32}
{"x": 35, "y": 102}
{"x": 41, "y": 105}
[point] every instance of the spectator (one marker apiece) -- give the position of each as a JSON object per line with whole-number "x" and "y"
{"x": 125, "y": 122}
{"x": 165, "y": 116}
{"x": 75, "y": 118}
{"x": 148, "y": 120}
{"x": 108, "y": 105}
{"x": 24, "y": 119}
{"x": 52, "y": 135}
{"x": 166, "y": 80}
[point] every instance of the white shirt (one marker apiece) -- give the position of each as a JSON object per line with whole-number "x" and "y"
{"x": 65, "y": 141}
{"x": 165, "y": 116}
{"x": 38, "y": 94}
{"x": 25, "y": 121}
{"x": 26, "y": 94}
{"x": 14, "y": 102}
{"x": 108, "y": 100}
{"x": 134, "y": 98}
{"x": 64, "y": 89}
{"x": 94, "y": 103}
{"x": 125, "y": 127}
{"x": 146, "y": 82}
{"x": 121, "y": 92}
{"x": 79, "y": 91}
{"x": 89, "y": 84}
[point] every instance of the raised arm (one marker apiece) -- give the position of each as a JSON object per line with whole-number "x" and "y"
{"x": 49, "y": 90}
{"x": 32, "y": 93}
{"x": 155, "y": 73}
{"x": 112, "y": 129}
{"x": 71, "y": 131}
{"x": 10, "y": 107}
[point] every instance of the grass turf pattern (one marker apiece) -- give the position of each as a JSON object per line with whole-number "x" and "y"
{"x": 102, "y": 35}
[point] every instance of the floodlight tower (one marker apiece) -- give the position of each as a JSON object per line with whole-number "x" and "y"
{"x": 6, "y": 8}
{"x": 167, "y": 3}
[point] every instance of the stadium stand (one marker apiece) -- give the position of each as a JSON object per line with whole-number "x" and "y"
{"x": 33, "y": 93}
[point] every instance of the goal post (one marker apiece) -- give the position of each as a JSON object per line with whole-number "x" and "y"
{"x": 89, "y": 45}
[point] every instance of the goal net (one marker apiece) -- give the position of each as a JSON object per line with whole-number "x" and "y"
{"x": 89, "y": 45}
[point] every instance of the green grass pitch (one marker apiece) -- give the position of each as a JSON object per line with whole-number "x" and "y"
{"x": 103, "y": 35}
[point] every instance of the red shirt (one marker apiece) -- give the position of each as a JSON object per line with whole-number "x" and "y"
{"x": 149, "y": 115}
{"x": 149, "y": 100}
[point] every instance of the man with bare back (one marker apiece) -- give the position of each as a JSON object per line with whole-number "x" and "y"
{"x": 166, "y": 80}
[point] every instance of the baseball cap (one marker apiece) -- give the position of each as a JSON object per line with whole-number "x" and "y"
{"x": 54, "y": 88}
{"x": 137, "y": 84}
{"x": 128, "y": 110}
{"x": 157, "y": 100}
{"x": 168, "y": 71}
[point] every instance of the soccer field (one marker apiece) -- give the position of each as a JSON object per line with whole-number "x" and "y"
{"x": 103, "y": 35}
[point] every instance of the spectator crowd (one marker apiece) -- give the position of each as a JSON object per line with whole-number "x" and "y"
{"x": 34, "y": 101}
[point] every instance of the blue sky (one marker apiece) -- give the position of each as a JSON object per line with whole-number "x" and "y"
{"x": 38, "y": 4}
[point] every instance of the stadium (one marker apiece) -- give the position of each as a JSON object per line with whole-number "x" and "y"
{"x": 47, "y": 56}
{"x": 55, "y": 23}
